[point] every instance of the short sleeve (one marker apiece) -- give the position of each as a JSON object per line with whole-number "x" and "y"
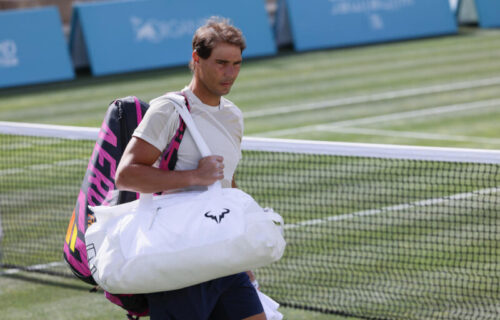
{"x": 159, "y": 124}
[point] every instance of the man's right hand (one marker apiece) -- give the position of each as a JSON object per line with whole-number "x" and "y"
{"x": 136, "y": 171}
{"x": 210, "y": 169}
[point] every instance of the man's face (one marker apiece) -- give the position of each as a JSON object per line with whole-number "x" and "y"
{"x": 218, "y": 72}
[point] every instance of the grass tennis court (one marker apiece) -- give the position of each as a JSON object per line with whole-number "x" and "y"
{"x": 434, "y": 92}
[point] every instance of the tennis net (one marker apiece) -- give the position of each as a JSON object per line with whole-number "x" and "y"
{"x": 373, "y": 231}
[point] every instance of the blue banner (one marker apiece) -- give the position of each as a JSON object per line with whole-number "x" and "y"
{"x": 32, "y": 47}
{"x": 317, "y": 24}
{"x": 136, "y": 35}
{"x": 488, "y": 12}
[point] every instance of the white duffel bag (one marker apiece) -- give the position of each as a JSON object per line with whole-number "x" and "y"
{"x": 167, "y": 242}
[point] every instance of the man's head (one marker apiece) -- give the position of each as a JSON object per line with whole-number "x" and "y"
{"x": 216, "y": 59}
{"x": 216, "y": 30}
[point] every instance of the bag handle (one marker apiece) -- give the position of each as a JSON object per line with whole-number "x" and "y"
{"x": 178, "y": 102}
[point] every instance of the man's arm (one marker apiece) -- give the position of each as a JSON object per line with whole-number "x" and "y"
{"x": 136, "y": 172}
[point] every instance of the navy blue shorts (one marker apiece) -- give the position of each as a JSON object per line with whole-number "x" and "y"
{"x": 232, "y": 298}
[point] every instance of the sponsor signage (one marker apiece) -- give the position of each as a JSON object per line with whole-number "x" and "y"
{"x": 137, "y": 35}
{"x": 32, "y": 47}
{"x": 320, "y": 24}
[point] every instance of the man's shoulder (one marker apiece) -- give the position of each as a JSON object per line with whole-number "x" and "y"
{"x": 162, "y": 104}
{"x": 231, "y": 107}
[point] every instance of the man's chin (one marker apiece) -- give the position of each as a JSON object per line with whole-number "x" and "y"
{"x": 225, "y": 91}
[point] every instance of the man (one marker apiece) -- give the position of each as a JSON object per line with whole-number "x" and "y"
{"x": 216, "y": 61}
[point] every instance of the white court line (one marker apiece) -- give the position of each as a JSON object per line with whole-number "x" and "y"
{"x": 398, "y": 207}
{"x": 271, "y": 111}
{"x": 414, "y": 135}
{"x": 44, "y": 166}
{"x": 33, "y": 268}
{"x": 387, "y": 117}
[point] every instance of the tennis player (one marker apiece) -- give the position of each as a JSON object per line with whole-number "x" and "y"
{"x": 215, "y": 64}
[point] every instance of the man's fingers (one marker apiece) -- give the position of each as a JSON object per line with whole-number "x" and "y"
{"x": 219, "y": 159}
{"x": 211, "y": 169}
{"x": 220, "y": 165}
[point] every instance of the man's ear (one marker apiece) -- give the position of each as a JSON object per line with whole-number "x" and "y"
{"x": 196, "y": 57}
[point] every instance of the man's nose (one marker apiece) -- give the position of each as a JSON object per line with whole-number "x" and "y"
{"x": 230, "y": 70}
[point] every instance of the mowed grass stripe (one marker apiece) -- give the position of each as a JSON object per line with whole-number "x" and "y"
{"x": 331, "y": 86}
{"x": 433, "y": 111}
{"x": 377, "y": 96}
{"x": 424, "y": 112}
{"x": 421, "y": 49}
{"x": 477, "y": 123}
{"x": 70, "y": 93}
{"x": 300, "y": 122}
{"x": 308, "y": 70}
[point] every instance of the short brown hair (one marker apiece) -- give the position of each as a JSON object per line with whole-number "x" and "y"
{"x": 214, "y": 31}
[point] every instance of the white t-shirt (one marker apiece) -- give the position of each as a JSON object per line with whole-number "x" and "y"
{"x": 220, "y": 126}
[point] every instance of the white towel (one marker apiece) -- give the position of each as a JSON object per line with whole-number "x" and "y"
{"x": 270, "y": 307}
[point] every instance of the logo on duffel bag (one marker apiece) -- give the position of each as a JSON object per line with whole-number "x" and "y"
{"x": 219, "y": 218}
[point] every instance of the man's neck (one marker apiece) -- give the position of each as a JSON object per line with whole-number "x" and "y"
{"x": 204, "y": 94}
